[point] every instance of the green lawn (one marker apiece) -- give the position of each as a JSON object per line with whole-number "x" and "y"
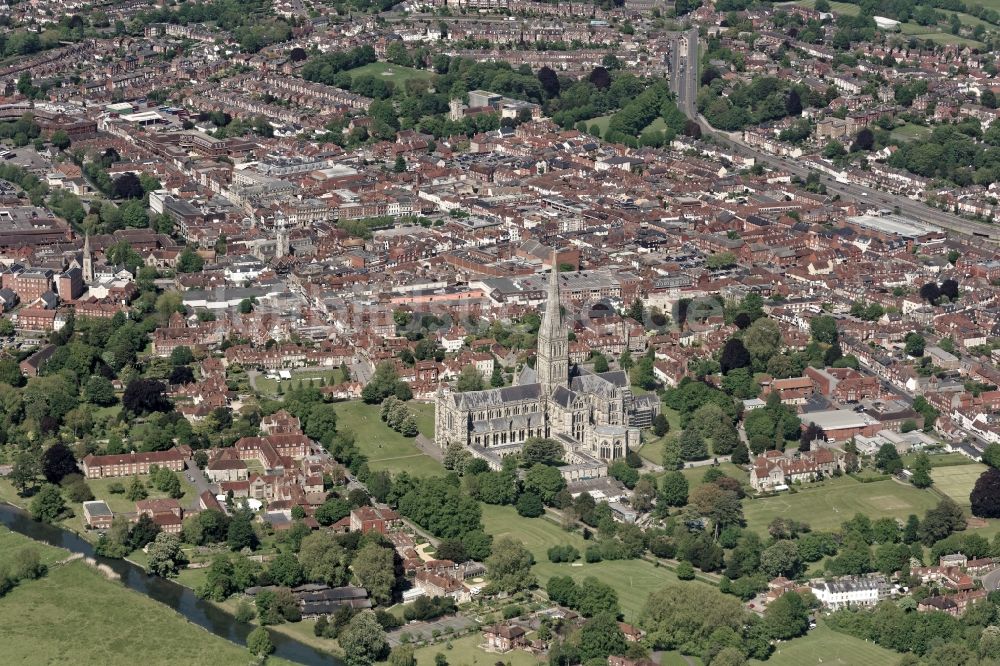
{"x": 395, "y": 73}
{"x": 694, "y": 475}
{"x": 12, "y": 542}
{"x": 632, "y": 579}
{"x": 909, "y": 132}
{"x": 386, "y": 448}
{"x": 270, "y": 386}
{"x": 957, "y": 481}
{"x": 824, "y": 506}
{"x": 658, "y": 125}
{"x": 465, "y": 652}
{"x": 119, "y": 503}
{"x": 75, "y": 616}
{"x": 601, "y": 122}
{"x": 826, "y": 646}
{"x": 941, "y": 459}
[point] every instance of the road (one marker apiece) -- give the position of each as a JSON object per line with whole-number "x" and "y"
{"x": 361, "y": 370}
{"x": 685, "y": 87}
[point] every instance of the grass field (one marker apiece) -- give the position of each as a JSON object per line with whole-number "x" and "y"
{"x": 826, "y": 505}
{"x": 694, "y": 475}
{"x": 910, "y": 132}
{"x": 957, "y": 481}
{"x": 386, "y": 448}
{"x": 941, "y": 459}
{"x": 600, "y": 121}
{"x": 75, "y": 616}
{"x": 910, "y": 29}
{"x": 826, "y": 646}
{"x": 632, "y": 579}
{"x": 270, "y": 386}
{"x": 12, "y": 542}
{"x": 395, "y": 73}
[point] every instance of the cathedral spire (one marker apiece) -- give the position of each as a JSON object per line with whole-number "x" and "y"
{"x": 552, "y": 361}
{"x": 88, "y": 261}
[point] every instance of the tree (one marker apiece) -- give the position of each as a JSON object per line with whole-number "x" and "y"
{"x": 136, "y": 490}
{"x": 915, "y": 344}
{"x": 922, "y": 471}
{"x": 600, "y": 78}
{"x": 541, "y": 451}
{"x": 144, "y": 396}
{"x": 57, "y": 462}
{"x": 549, "y": 81}
{"x": 165, "y": 555}
{"x": 693, "y": 445}
{"x": 740, "y": 456}
{"x": 687, "y": 615}
{"x": 824, "y": 329}
{"x": 285, "y": 570}
{"x": 529, "y": 505}
{"x": 259, "y": 642}
{"x": 720, "y": 505}
{"x": 48, "y": 505}
{"x": 323, "y": 559}
{"x": 601, "y": 637}
{"x": 810, "y": 434}
{"x": 100, "y": 391}
{"x": 930, "y": 292}
{"x": 241, "y": 534}
{"x": 402, "y": 655}
{"x": 673, "y": 489}
{"x": 661, "y": 426}
{"x": 685, "y": 571}
{"x": 190, "y": 261}
{"x": 787, "y": 616}
{"x": 864, "y": 140}
{"x": 469, "y": 379}
{"x": 374, "y": 567}
{"x": 600, "y": 363}
{"x": 734, "y": 355}
{"x": 941, "y": 521}
{"x": 781, "y": 559}
{"x": 363, "y": 640}
{"x": 762, "y": 339}
{"x": 60, "y": 139}
{"x": 985, "y": 495}
{"x": 793, "y": 104}
{"x": 509, "y": 566}
{"x": 127, "y": 186}
{"x": 545, "y": 481}
{"x": 24, "y": 473}
{"x": 887, "y": 459}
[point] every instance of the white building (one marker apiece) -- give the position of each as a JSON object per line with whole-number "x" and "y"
{"x": 848, "y": 592}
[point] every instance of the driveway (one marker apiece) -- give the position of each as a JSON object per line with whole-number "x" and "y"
{"x": 198, "y": 479}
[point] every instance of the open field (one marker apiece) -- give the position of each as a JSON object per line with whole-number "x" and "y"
{"x": 826, "y": 505}
{"x": 948, "y": 38}
{"x": 957, "y": 481}
{"x": 118, "y": 502}
{"x": 632, "y": 579}
{"x": 910, "y": 132}
{"x": 74, "y": 616}
{"x": 694, "y": 474}
{"x": 386, "y": 448}
{"x": 389, "y": 72}
{"x": 12, "y": 542}
{"x": 465, "y": 652}
{"x": 941, "y": 460}
{"x": 826, "y": 646}
{"x": 911, "y": 29}
{"x": 270, "y": 386}
{"x": 600, "y": 121}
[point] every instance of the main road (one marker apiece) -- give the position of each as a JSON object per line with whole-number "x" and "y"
{"x": 684, "y": 82}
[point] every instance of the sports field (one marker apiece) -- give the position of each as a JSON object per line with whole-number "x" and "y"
{"x": 12, "y": 542}
{"x": 826, "y": 646}
{"x": 386, "y": 448}
{"x": 956, "y": 481}
{"x": 389, "y": 72}
{"x": 825, "y": 506}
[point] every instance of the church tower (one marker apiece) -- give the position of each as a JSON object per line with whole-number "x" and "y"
{"x": 281, "y": 246}
{"x": 88, "y": 261}
{"x": 552, "y": 361}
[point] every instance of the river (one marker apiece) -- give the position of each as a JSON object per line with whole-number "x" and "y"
{"x": 177, "y": 597}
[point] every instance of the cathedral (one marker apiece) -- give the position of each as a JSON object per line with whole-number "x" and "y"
{"x": 594, "y": 417}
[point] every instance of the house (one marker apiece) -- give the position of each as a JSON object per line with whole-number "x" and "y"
{"x": 504, "y": 637}
{"x": 227, "y": 469}
{"x": 367, "y": 519}
{"x": 166, "y": 513}
{"x": 97, "y": 515}
{"x": 632, "y": 634}
{"x": 614, "y": 660}
{"x": 850, "y": 592}
{"x": 773, "y": 470}
{"x": 441, "y": 585}
{"x": 952, "y": 604}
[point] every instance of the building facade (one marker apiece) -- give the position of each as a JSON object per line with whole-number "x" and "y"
{"x": 594, "y": 417}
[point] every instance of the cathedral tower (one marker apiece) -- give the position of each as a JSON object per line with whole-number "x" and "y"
{"x": 88, "y": 261}
{"x": 552, "y": 361}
